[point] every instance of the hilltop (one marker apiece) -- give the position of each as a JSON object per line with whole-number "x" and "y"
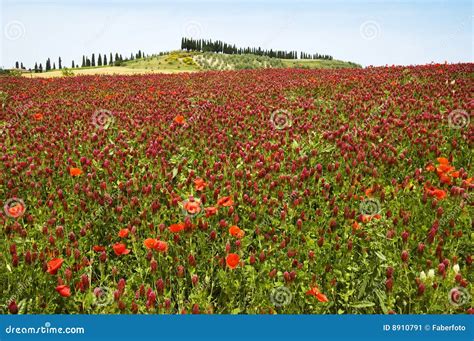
{"x": 193, "y": 61}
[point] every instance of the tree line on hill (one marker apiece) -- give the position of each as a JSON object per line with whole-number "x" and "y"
{"x": 219, "y": 46}
{"x": 101, "y": 60}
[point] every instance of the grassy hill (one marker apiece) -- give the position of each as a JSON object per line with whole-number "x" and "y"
{"x": 196, "y": 61}
{"x": 181, "y": 61}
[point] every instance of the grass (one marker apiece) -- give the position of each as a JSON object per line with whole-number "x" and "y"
{"x": 181, "y": 61}
{"x": 318, "y": 64}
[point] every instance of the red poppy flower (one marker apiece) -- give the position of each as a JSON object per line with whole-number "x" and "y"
{"x": 38, "y": 116}
{"x": 75, "y": 171}
{"x": 16, "y": 210}
{"x": 443, "y": 161}
{"x": 210, "y": 211}
{"x": 314, "y": 291}
{"x": 54, "y": 265}
{"x": 445, "y": 179}
{"x": 179, "y": 119}
{"x": 175, "y": 228}
{"x": 159, "y": 245}
{"x": 236, "y": 232}
{"x": 123, "y": 233}
{"x": 98, "y": 248}
{"x": 199, "y": 184}
{"x": 438, "y": 193}
{"x": 430, "y": 168}
{"x": 150, "y": 243}
{"x": 225, "y": 201}
{"x": 454, "y": 174}
{"x": 120, "y": 249}
{"x": 355, "y": 225}
{"x": 232, "y": 260}
{"x": 63, "y": 290}
{"x": 192, "y": 207}
{"x": 369, "y": 191}
{"x": 443, "y": 169}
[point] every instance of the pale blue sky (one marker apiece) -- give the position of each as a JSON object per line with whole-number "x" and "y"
{"x": 367, "y": 32}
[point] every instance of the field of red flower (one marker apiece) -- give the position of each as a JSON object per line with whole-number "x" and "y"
{"x": 268, "y": 191}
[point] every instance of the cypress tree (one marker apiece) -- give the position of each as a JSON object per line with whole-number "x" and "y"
{"x": 111, "y": 59}
{"x": 105, "y": 60}
{"x": 93, "y": 60}
{"x": 99, "y": 60}
{"x": 83, "y": 61}
{"x": 59, "y": 63}
{"x": 17, "y": 66}
{"x": 41, "y": 68}
{"x": 36, "y": 67}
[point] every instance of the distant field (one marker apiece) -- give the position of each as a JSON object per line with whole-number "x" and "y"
{"x": 180, "y": 61}
{"x": 108, "y": 70}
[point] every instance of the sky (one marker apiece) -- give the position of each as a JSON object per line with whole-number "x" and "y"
{"x": 397, "y": 32}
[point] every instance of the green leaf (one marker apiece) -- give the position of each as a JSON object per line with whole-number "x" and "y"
{"x": 381, "y": 256}
{"x": 363, "y": 304}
